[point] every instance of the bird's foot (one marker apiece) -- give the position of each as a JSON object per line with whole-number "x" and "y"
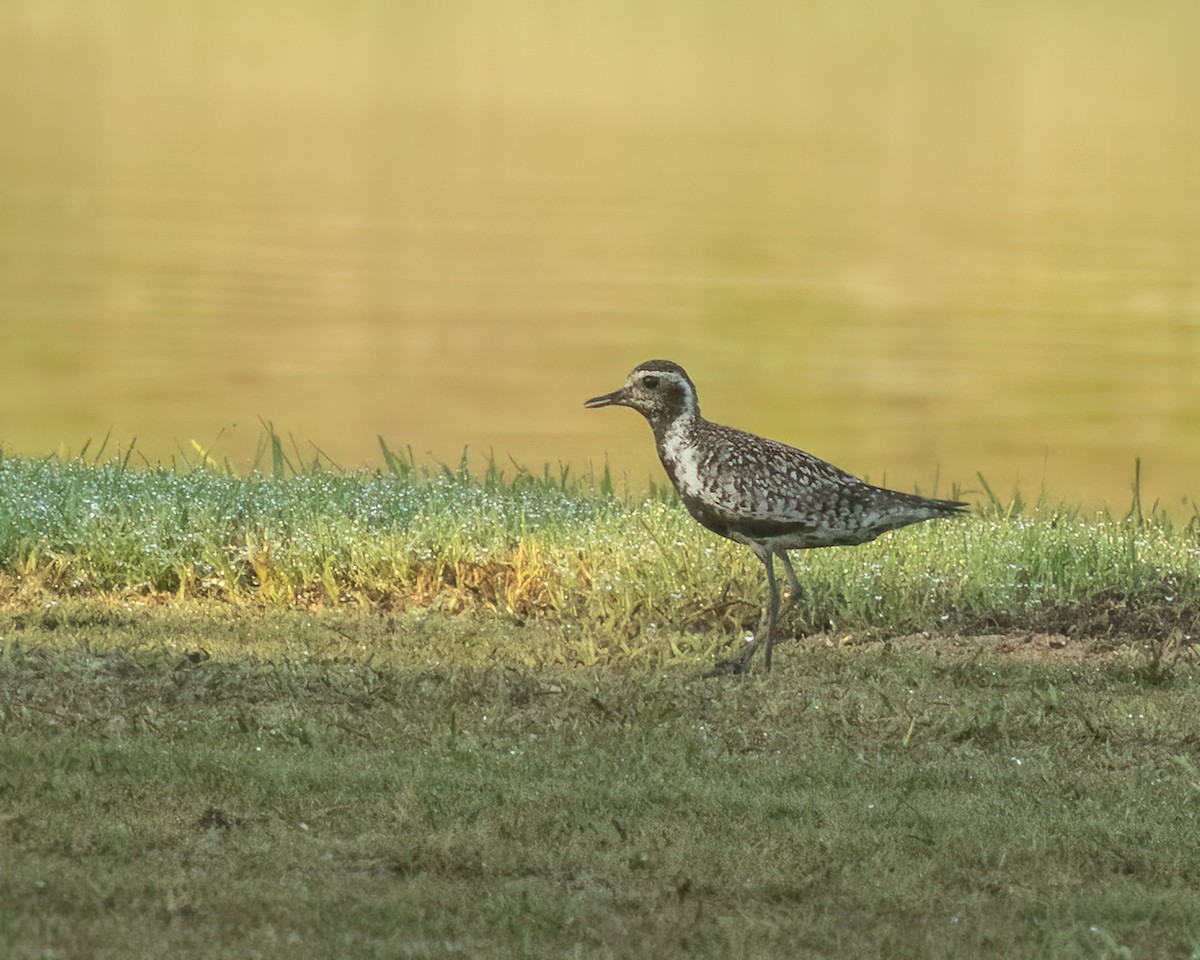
{"x": 734, "y": 666}
{"x": 730, "y": 667}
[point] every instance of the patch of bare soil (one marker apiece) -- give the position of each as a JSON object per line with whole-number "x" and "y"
{"x": 1023, "y": 645}
{"x": 1155, "y": 655}
{"x": 1111, "y": 615}
{"x": 1099, "y": 628}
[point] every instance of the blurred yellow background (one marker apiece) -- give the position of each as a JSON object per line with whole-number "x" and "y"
{"x": 920, "y": 240}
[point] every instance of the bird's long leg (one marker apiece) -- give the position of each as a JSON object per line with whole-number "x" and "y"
{"x": 795, "y": 591}
{"x": 767, "y": 630}
{"x": 772, "y": 608}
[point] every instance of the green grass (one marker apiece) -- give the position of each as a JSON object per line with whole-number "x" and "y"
{"x": 419, "y": 713}
{"x": 203, "y": 782}
{"x": 547, "y": 546}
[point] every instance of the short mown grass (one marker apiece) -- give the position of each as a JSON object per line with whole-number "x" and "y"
{"x": 421, "y": 713}
{"x": 203, "y": 782}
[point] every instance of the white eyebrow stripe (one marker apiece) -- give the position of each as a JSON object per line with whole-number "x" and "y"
{"x": 690, "y": 391}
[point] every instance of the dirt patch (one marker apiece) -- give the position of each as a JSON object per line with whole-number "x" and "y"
{"x": 1105, "y": 615}
{"x": 1026, "y": 646}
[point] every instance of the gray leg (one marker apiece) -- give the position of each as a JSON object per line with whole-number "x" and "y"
{"x": 765, "y": 634}
{"x": 772, "y": 609}
{"x": 766, "y": 631}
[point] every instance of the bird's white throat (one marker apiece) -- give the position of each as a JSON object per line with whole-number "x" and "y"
{"x": 682, "y": 455}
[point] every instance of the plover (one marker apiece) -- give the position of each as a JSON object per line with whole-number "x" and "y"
{"x": 771, "y": 497}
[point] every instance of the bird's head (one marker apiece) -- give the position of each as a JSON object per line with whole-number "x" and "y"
{"x": 661, "y": 391}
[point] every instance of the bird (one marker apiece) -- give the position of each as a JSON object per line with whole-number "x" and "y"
{"x": 764, "y": 494}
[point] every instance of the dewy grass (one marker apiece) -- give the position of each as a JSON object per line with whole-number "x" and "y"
{"x": 569, "y": 550}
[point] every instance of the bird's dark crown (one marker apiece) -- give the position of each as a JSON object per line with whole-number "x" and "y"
{"x": 661, "y": 366}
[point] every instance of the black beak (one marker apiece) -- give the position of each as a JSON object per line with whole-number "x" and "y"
{"x": 616, "y": 398}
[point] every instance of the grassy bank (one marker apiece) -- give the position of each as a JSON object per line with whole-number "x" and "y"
{"x": 618, "y": 567}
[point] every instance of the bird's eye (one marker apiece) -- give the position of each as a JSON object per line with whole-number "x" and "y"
{"x": 649, "y": 382}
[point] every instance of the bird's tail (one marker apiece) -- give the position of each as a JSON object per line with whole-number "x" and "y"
{"x": 937, "y": 508}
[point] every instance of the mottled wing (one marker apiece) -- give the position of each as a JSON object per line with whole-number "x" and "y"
{"x": 760, "y": 489}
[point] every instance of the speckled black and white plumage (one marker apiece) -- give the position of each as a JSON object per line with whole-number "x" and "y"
{"x": 767, "y": 495}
